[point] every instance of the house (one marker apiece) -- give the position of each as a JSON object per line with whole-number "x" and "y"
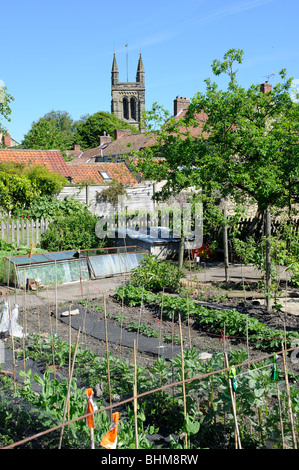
{"x": 51, "y": 159}
{"x": 116, "y": 150}
{"x": 7, "y": 141}
{"x": 101, "y": 173}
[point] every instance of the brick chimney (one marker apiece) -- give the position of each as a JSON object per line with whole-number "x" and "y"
{"x": 104, "y": 139}
{"x": 265, "y": 87}
{"x": 120, "y": 132}
{"x": 179, "y": 104}
{"x": 77, "y": 147}
{"x": 7, "y": 140}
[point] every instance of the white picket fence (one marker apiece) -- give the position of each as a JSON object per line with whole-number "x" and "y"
{"x": 23, "y": 232}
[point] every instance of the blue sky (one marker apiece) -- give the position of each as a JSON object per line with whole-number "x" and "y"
{"x": 58, "y": 55}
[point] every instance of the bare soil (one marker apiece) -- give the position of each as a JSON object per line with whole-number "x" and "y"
{"x": 43, "y": 320}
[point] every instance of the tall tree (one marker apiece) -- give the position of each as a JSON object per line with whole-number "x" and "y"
{"x": 45, "y": 135}
{"x": 65, "y": 124}
{"x": 88, "y": 131}
{"x": 248, "y": 146}
{"x": 5, "y": 109}
{"x": 21, "y": 186}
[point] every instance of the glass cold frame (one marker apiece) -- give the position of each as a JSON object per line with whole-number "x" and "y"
{"x": 73, "y": 266}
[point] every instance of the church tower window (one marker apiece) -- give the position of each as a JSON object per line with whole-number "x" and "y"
{"x": 133, "y": 109}
{"x": 125, "y": 108}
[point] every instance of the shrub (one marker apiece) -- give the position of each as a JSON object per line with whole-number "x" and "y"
{"x": 154, "y": 275}
{"x": 72, "y": 232}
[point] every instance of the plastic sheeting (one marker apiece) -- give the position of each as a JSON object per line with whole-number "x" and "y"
{"x": 10, "y": 322}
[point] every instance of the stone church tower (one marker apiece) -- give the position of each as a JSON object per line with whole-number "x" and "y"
{"x": 128, "y": 98}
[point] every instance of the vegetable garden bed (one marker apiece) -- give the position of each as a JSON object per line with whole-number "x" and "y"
{"x": 207, "y": 420}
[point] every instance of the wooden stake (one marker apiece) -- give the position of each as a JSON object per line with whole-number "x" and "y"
{"x": 69, "y": 388}
{"x": 289, "y": 397}
{"x": 183, "y": 379}
{"x": 107, "y": 354}
{"x": 231, "y": 391}
{"x": 135, "y": 398}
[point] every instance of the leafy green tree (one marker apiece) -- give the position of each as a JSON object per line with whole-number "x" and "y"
{"x": 88, "y": 131}
{"x": 64, "y": 123}
{"x": 45, "y": 135}
{"x": 16, "y": 192}
{"x": 248, "y": 146}
{"x": 73, "y": 230}
{"x": 5, "y": 101}
{"x": 48, "y": 182}
{"x": 21, "y": 186}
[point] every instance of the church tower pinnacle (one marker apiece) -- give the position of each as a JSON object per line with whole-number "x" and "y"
{"x": 114, "y": 72}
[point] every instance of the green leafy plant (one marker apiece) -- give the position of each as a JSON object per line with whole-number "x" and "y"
{"x": 155, "y": 275}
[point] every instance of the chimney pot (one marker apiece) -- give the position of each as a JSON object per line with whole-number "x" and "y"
{"x": 104, "y": 139}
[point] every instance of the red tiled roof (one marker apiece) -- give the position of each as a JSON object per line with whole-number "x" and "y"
{"x": 126, "y": 144}
{"x": 199, "y": 117}
{"x": 51, "y": 159}
{"x": 86, "y": 173}
{"x": 87, "y": 156}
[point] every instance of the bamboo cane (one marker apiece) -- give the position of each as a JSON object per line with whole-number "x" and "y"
{"x": 121, "y": 322}
{"x": 172, "y": 348}
{"x": 92, "y": 446}
{"x": 24, "y": 320}
{"x": 238, "y": 440}
{"x": 161, "y": 316}
{"x": 188, "y": 317}
{"x": 141, "y": 305}
{"x": 70, "y": 342}
{"x": 107, "y": 354}
{"x": 56, "y": 315}
{"x": 247, "y": 340}
{"x": 70, "y": 353}
{"x": 135, "y": 398}
{"x": 51, "y": 332}
{"x": 280, "y": 417}
{"x": 289, "y": 397}
{"x": 13, "y": 347}
{"x": 183, "y": 379}
{"x": 38, "y": 321}
{"x": 69, "y": 388}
